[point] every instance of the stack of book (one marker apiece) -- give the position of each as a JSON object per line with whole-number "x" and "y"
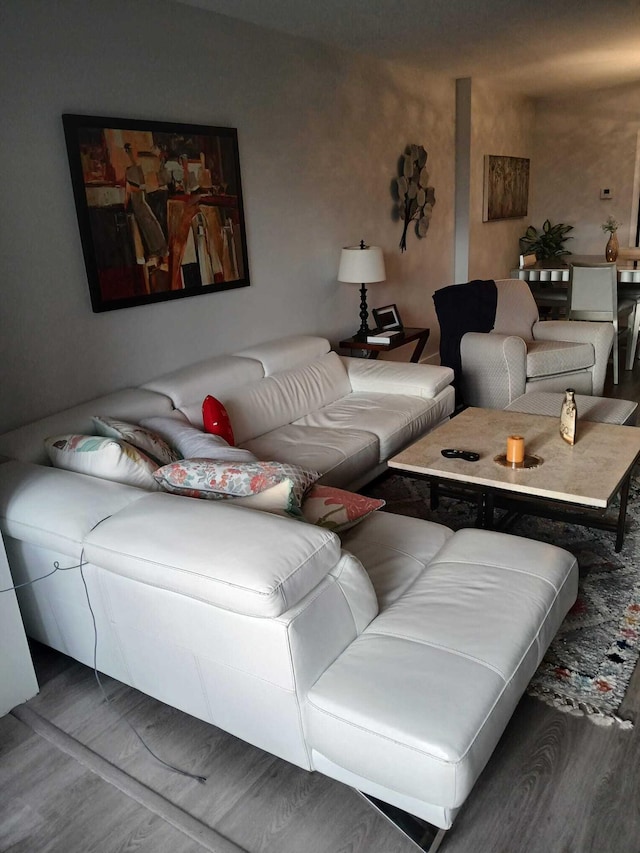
{"x": 383, "y": 337}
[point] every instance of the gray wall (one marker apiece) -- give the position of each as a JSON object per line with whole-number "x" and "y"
{"x": 582, "y": 145}
{"x": 320, "y": 133}
{"x": 502, "y": 124}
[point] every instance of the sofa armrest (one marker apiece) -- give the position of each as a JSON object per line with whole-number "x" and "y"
{"x": 577, "y": 331}
{"x": 599, "y": 334}
{"x": 494, "y": 369}
{"x": 393, "y": 377}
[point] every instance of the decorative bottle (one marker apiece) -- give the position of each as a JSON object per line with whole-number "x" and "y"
{"x": 569, "y": 417}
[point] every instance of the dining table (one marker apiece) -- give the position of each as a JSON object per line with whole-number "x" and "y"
{"x": 549, "y": 283}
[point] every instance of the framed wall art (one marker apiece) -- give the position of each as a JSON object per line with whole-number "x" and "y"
{"x": 506, "y": 187}
{"x": 159, "y": 209}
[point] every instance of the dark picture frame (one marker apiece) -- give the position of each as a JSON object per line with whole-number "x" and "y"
{"x": 387, "y": 318}
{"x": 159, "y": 208}
{"x": 506, "y": 187}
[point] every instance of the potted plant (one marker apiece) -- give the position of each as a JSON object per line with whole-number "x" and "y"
{"x": 611, "y": 249}
{"x": 547, "y": 243}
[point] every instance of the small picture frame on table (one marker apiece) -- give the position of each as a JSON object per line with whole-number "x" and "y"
{"x": 387, "y": 318}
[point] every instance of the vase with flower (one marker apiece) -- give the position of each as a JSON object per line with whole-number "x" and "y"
{"x": 612, "y": 247}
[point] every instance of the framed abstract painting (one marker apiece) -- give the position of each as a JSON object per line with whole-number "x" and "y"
{"x": 159, "y": 208}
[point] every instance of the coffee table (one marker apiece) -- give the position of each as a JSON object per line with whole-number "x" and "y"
{"x": 573, "y": 483}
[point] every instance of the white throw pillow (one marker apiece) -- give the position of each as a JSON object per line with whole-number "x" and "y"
{"x": 192, "y": 443}
{"x": 108, "y": 458}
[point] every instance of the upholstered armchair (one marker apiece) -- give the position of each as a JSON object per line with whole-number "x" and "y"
{"x": 523, "y": 354}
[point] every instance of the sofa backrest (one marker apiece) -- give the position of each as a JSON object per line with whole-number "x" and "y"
{"x": 217, "y": 376}
{"x": 263, "y": 387}
{"x": 281, "y": 398}
{"x": 131, "y": 404}
{"x": 285, "y": 353}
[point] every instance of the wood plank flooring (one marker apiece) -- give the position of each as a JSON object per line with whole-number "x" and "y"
{"x": 555, "y": 784}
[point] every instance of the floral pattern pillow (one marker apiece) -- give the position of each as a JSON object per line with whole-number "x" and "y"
{"x": 108, "y": 458}
{"x": 278, "y": 500}
{"x": 216, "y": 480}
{"x": 144, "y": 439}
{"x": 337, "y": 509}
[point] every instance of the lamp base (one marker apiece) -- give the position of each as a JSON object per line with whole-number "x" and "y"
{"x": 361, "y": 336}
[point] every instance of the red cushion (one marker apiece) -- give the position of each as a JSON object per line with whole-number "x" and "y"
{"x": 216, "y": 420}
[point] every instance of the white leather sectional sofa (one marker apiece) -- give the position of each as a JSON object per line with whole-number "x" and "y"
{"x": 389, "y": 658}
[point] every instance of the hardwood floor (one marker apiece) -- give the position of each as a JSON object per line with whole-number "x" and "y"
{"x": 555, "y": 784}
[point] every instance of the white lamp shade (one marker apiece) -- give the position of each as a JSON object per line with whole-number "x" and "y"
{"x": 362, "y": 266}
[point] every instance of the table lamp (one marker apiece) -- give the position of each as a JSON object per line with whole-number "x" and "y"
{"x": 362, "y": 265}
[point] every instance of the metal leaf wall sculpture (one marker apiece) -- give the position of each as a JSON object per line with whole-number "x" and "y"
{"x": 415, "y": 198}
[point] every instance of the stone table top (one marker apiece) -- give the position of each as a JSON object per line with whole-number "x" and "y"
{"x": 589, "y": 473}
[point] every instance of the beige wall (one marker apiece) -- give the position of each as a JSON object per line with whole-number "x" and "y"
{"x": 320, "y": 133}
{"x": 501, "y": 124}
{"x": 584, "y": 144}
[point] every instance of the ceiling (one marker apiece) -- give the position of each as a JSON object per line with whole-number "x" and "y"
{"x": 541, "y": 48}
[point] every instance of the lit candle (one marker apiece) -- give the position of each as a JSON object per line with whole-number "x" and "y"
{"x": 515, "y": 449}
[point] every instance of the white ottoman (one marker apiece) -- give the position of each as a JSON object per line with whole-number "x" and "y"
{"x": 604, "y": 410}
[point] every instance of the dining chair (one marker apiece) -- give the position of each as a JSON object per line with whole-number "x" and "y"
{"x": 629, "y": 286}
{"x": 593, "y": 295}
{"x": 551, "y": 299}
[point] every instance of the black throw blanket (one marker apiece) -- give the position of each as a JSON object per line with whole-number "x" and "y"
{"x": 463, "y": 308}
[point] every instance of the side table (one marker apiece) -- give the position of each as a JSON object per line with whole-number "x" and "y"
{"x": 421, "y": 336}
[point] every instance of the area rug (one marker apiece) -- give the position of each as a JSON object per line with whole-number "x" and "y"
{"x": 588, "y": 666}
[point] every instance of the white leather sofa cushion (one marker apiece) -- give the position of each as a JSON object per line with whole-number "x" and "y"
{"x": 56, "y": 509}
{"x": 281, "y": 354}
{"x": 216, "y": 376}
{"x": 131, "y": 404}
{"x": 395, "y": 418}
{"x": 396, "y": 377}
{"x": 419, "y": 700}
{"x": 547, "y": 357}
{"x": 395, "y": 549}
{"x": 224, "y": 555}
{"x": 339, "y": 455}
{"x": 263, "y": 406}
